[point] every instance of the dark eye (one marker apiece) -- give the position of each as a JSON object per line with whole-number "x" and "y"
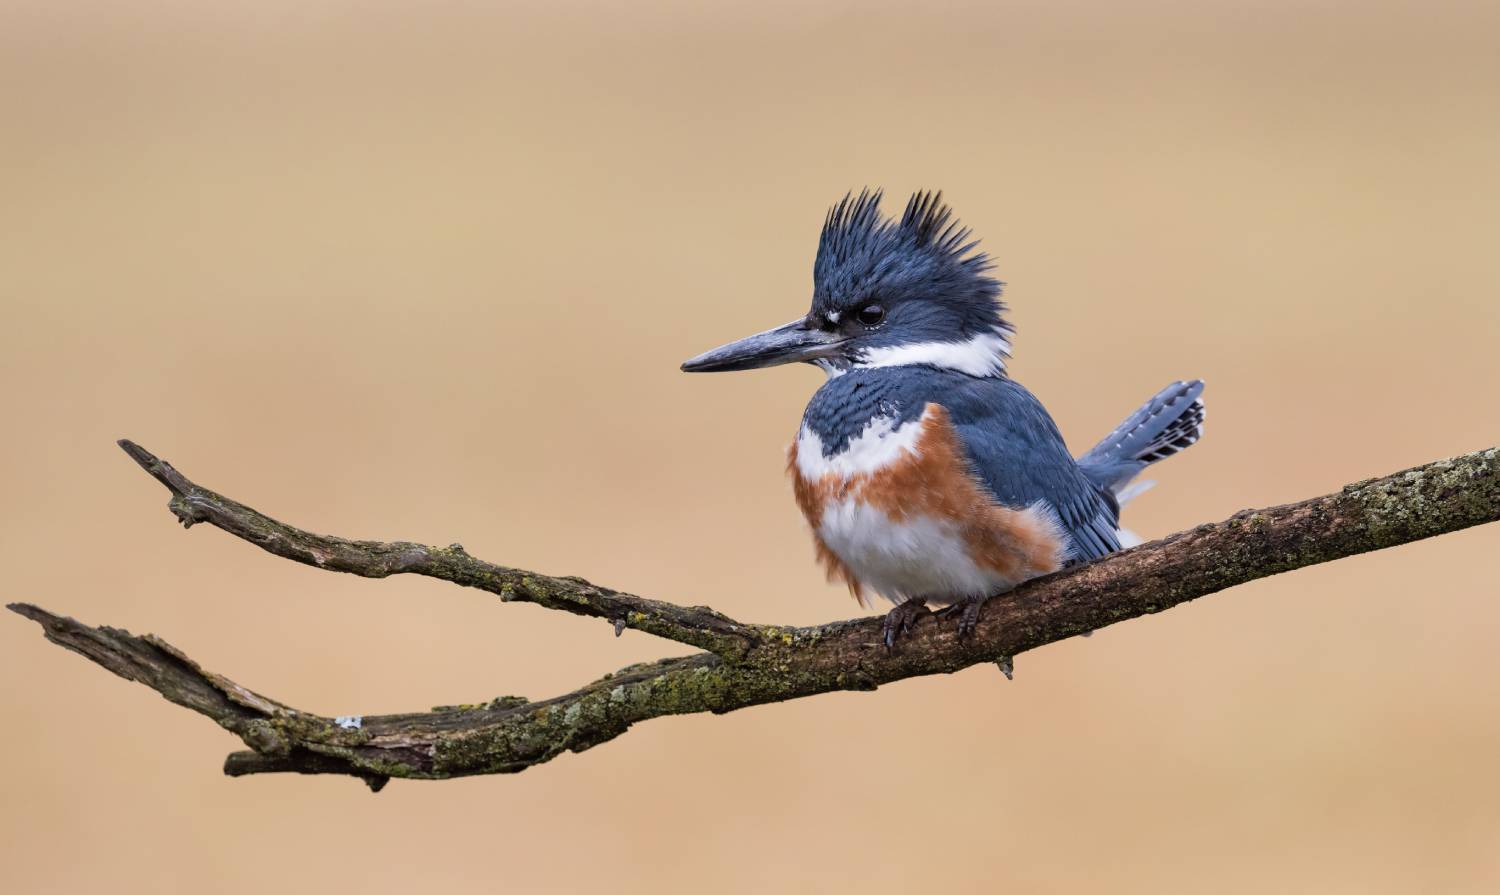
{"x": 870, "y": 315}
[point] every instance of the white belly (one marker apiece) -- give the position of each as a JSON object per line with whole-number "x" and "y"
{"x": 918, "y": 556}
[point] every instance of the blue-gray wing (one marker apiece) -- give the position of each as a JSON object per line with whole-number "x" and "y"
{"x": 1019, "y": 455}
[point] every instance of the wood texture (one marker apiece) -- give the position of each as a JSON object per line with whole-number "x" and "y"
{"x": 744, "y": 664}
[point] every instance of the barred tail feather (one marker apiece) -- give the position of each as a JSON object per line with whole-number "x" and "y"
{"x": 1163, "y": 426}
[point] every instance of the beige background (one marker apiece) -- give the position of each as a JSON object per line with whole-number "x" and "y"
{"x": 427, "y": 271}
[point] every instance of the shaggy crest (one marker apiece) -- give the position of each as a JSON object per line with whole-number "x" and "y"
{"x": 855, "y": 227}
{"x": 926, "y": 254}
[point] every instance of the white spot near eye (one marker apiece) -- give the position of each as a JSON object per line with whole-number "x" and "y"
{"x": 833, "y": 316}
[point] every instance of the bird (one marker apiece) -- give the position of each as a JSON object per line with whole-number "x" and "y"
{"x": 925, "y": 472}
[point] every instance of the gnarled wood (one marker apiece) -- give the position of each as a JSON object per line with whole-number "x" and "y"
{"x": 745, "y": 664}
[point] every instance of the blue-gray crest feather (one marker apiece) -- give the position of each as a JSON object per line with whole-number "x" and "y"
{"x": 925, "y": 257}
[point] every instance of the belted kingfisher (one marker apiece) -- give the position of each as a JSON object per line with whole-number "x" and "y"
{"x": 926, "y": 472}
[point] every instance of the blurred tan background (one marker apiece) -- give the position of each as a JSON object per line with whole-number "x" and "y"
{"x": 414, "y": 270}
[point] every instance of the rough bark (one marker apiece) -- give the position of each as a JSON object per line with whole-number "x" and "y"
{"x": 745, "y": 664}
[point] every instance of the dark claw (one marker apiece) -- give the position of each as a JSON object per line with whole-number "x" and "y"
{"x": 969, "y": 620}
{"x": 899, "y": 621}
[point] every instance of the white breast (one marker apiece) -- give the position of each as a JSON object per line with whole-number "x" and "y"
{"x": 882, "y": 442}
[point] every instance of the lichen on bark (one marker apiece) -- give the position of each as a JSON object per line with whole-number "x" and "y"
{"x": 744, "y": 665}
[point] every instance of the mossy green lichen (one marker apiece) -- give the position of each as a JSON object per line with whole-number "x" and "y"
{"x": 777, "y": 662}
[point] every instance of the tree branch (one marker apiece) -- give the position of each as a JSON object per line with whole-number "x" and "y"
{"x": 746, "y": 664}
{"x": 693, "y": 625}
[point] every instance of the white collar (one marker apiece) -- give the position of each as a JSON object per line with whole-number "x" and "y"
{"x": 981, "y": 355}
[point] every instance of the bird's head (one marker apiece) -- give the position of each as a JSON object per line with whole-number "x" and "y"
{"x": 886, "y": 293}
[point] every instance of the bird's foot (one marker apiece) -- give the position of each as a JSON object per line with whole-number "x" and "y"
{"x": 968, "y": 615}
{"x": 899, "y": 621}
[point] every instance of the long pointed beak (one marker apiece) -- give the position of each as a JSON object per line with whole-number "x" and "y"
{"x": 796, "y": 341}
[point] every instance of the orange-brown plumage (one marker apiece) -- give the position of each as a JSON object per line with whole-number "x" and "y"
{"x": 933, "y": 479}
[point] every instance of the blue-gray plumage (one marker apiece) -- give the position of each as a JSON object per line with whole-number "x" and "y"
{"x": 1014, "y": 446}
{"x": 926, "y": 473}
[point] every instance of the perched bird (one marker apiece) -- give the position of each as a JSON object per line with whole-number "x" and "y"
{"x": 927, "y": 473}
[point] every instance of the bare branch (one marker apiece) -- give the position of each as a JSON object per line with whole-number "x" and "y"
{"x": 693, "y": 625}
{"x": 766, "y": 664}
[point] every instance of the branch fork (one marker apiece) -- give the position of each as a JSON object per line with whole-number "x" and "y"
{"x": 741, "y": 664}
